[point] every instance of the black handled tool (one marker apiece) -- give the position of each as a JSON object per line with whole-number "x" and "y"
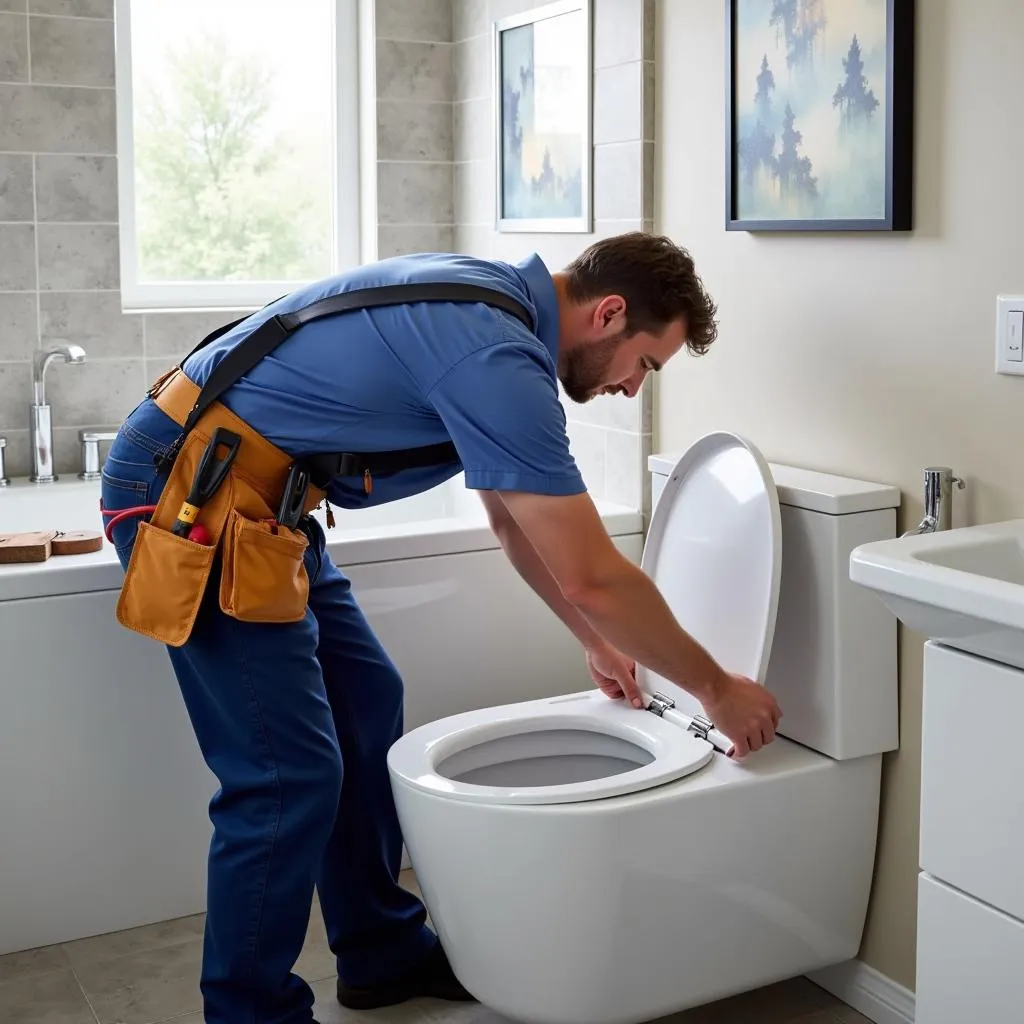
{"x": 294, "y": 498}
{"x": 210, "y": 474}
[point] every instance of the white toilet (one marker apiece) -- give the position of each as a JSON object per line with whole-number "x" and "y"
{"x": 585, "y": 862}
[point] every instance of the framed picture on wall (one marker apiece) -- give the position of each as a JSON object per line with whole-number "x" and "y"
{"x": 819, "y": 102}
{"x": 543, "y": 97}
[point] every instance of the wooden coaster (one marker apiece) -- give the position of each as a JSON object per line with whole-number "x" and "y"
{"x": 77, "y": 542}
{"x": 25, "y": 547}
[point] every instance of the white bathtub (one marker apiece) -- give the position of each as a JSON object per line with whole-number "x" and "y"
{"x": 103, "y": 792}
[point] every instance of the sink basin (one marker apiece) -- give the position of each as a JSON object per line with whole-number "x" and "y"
{"x": 962, "y": 587}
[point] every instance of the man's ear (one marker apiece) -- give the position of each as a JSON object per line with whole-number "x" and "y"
{"x": 610, "y": 310}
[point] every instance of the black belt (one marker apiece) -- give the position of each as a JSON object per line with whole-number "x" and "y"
{"x": 322, "y": 467}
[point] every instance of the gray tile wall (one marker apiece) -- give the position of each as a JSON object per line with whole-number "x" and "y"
{"x": 415, "y": 210}
{"x": 59, "y": 271}
{"x": 611, "y": 438}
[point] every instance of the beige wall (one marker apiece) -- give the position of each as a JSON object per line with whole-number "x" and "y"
{"x": 868, "y": 356}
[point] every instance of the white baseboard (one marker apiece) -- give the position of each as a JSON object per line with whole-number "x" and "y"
{"x": 868, "y": 991}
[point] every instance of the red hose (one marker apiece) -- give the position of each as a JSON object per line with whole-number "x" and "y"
{"x": 117, "y": 515}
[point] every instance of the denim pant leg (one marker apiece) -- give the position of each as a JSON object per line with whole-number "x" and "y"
{"x": 255, "y": 695}
{"x": 375, "y": 927}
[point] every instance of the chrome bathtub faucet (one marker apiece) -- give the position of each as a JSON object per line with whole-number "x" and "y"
{"x": 40, "y": 423}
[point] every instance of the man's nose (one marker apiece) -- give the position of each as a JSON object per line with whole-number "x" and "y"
{"x": 633, "y": 384}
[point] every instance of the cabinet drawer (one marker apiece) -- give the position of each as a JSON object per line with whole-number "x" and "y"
{"x": 972, "y": 798}
{"x": 969, "y": 959}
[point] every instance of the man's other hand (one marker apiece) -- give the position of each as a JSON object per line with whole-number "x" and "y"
{"x": 614, "y": 674}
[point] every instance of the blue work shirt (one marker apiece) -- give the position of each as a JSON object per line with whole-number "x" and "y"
{"x": 405, "y": 376}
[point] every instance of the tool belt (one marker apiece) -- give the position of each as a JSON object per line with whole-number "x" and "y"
{"x": 251, "y": 517}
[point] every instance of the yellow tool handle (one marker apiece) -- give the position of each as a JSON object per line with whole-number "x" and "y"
{"x": 187, "y": 515}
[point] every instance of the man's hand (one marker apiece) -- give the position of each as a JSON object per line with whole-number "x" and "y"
{"x": 614, "y": 674}
{"x": 745, "y": 712}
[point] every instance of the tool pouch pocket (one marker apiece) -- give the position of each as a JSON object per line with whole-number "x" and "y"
{"x": 164, "y": 585}
{"x": 263, "y": 575}
{"x": 167, "y": 575}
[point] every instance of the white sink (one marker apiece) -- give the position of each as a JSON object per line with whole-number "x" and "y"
{"x": 962, "y": 587}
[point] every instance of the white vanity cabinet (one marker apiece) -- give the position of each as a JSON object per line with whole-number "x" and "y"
{"x": 970, "y": 942}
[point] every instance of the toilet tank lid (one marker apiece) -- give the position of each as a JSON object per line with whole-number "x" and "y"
{"x": 809, "y": 489}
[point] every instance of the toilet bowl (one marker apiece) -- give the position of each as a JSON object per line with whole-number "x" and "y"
{"x": 586, "y": 862}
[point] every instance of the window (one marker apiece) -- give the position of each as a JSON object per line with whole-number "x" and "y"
{"x": 237, "y": 148}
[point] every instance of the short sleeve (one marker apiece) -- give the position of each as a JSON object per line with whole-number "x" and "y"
{"x": 500, "y": 407}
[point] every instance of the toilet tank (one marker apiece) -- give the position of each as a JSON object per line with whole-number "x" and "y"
{"x": 833, "y": 666}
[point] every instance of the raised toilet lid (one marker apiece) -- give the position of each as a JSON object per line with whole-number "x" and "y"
{"x": 714, "y": 551}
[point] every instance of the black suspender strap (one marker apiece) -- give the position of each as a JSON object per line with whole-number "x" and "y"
{"x": 265, "y": 338}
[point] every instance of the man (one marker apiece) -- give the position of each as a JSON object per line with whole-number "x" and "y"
{"x": 296, "y": 719}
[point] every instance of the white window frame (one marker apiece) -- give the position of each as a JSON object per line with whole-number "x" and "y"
{"x": 193, "y": 295}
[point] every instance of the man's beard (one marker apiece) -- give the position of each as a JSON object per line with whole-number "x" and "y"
{"x": 584, "y": 369}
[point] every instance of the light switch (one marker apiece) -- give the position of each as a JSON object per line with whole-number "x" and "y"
{"x": 1014, "y": 329}
{"x": 1010, "y": 334}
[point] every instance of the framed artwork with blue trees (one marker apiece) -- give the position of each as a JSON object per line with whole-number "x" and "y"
{"x": 543, "y": 103}
{"x": 819, "y": 105}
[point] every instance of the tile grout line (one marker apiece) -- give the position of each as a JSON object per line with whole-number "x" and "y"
{"x": 412, "y": 101}
{"x": 33, "y": 152}
{"x": 28, "y": 46}
{"x": 35, "y": 238}
{"x": 63, "y": 85}
{"x": 81, "y": 988}
{"x": 177, "y": 1016}
{"x": 65, "y": 17}
{"x": 69, "y": 224}
{"x": 418, "y": 163}
{"x": 420, "y": 42}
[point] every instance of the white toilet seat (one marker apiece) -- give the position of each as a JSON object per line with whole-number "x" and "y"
{"x": 587, "y": 724}
{"x": 714, "y": 550}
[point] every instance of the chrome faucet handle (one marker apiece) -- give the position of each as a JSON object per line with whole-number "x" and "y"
{"x": 5, "y": 480}
{"x": 90, "y": 442}
{"x": 939, "y": 482}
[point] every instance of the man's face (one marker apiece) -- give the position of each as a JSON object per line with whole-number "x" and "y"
{"x": 607, "y": 362}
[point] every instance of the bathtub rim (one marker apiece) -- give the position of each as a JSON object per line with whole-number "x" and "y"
{"x": 423, "y": 538}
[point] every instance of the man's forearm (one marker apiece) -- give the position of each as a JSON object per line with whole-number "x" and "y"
{"x": 627, "y": 609}
{"x": 530, "y": 566}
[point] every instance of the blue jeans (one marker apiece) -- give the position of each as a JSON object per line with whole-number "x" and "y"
{"x": 295, "y": 720}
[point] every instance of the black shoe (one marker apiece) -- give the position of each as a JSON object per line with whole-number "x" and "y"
{"x": 432, "y": 979}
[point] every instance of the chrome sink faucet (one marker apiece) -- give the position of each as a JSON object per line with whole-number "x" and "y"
{"x": 41, "y": 424}
{"x": 938, "y": 500}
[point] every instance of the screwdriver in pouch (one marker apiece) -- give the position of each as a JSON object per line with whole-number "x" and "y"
{"x": 210, "y": 474}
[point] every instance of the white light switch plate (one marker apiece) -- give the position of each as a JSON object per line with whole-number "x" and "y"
{"x": 1010, "y": 334}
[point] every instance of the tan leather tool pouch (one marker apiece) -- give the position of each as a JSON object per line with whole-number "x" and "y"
{"x": 263, "y": 576}
{"x": 167, "y": 575}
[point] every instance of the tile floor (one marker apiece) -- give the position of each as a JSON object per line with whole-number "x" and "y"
{"x": 149, "y": 975}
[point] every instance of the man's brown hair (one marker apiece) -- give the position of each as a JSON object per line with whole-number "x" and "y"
{"x": 657, "y": 279}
